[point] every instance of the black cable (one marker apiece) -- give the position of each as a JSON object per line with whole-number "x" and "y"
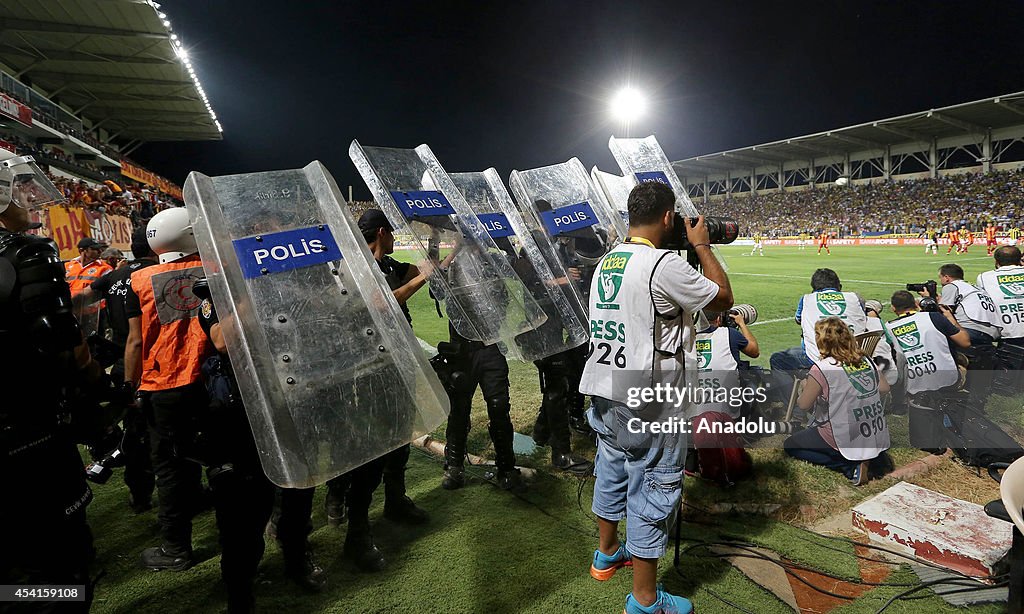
{"x": 715, "y": 595}
{"x": 923, "y": 586}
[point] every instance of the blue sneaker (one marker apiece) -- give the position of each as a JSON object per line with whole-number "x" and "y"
{"x": 666, "y": 604}
{"x": 604, "y": 566}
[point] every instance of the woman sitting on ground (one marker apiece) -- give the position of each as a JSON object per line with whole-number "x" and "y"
{"x": 849, "y": 433}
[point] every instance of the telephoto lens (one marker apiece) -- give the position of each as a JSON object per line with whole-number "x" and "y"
{"x": 747, "y": 311}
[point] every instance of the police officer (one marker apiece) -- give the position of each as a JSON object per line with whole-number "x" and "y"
{"x": 113, "y": 288}
{"x": 355, "y": 489}
{"x": 477, "y": 364}
{"x": 163, "y": 360}
{"x": 48, "y": 540}
{"x": 639, "y": 478}
{"x": 243, "y": 496}
{"x": 81, "y": 272}
{"x": 1005, "y": 285}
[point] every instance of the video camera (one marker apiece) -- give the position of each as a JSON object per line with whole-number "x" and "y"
{"x": 721, "y": 231}
{"x": 931, "y": 286}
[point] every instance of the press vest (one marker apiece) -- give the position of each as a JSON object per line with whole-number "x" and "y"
{"x": 930, "y": 364}
{"x": 1006, "y": 287}
{"x": 978, "y": 307}
{"x": 173, "y": 343}
{"x": 855, "y": 409}
{"x": 631, "y": 346}
{"x": 716, "y": 370}
{"x": 827, "y": 303}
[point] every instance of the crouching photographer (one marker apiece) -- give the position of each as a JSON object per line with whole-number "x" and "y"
{"x": 716, "y": 455}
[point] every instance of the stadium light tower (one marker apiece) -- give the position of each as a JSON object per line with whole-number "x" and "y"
{"x": 628, "y": 105}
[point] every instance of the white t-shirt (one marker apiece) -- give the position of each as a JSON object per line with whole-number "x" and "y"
{"x": 630, "y": 346}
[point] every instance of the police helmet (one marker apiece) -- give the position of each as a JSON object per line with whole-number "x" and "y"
{"x": 24, "y": 184}
{"x": 170, "y": 234}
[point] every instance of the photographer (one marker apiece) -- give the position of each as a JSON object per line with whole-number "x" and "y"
{"x": 827, "y": 298}
{"x": 720, "y": 457}
{"x": 1006, "y": 287}
{"x": 47, "y": 539}
{"x": 849, "y": 433}
{"x": 927, "y": 342}
{"x": 975, "y": 312}
{"x": 639, "y": 476}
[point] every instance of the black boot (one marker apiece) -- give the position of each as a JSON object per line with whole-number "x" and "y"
{"x": 454, "y": 473}
{"x": 397, "y": 506}
{"x": 302, "y": 569}
{"x": 166, "y": 557}
{"x": 564, "y": 460}
{"x": 360, "y": 549}
{"x": 334, "y": 502}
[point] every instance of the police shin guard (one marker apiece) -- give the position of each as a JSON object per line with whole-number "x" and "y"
{"x": 500, "y": 429}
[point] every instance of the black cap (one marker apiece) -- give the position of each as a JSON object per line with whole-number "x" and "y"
{"x": 372, "y": 219}
{"x": 88, "y": 242}
{"x": 140, "y": 244}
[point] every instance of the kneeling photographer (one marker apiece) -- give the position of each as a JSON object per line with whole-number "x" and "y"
{"x": 975, "y": 313}
{"x": 720, "y": 456}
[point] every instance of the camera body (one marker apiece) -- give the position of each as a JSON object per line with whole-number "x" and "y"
{"x": 721, "y": 231}
{"x": 931, "y": 286}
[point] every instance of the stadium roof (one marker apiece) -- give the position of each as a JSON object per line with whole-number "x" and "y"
{"x": 114, "y": 62}
{"x": 969, "y": 118}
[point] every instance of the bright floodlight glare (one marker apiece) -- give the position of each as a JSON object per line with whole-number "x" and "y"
{"x": 628, "y": 104}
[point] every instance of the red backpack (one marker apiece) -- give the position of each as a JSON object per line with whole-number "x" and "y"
{"x": 721, "y": 456}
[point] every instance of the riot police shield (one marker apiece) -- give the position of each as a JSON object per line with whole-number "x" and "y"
{"x": 330, "y": 374}
{"x": 563, "y": 327}
{"x": 644, "y": 160}
{"x": 483, "y": 297}
{"x": 616, "y": 189}
{"x": 572, "y": 223}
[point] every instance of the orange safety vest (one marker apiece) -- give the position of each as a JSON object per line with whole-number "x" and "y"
{"x": 80, "y": 277}
{"x": 174, "y": 345}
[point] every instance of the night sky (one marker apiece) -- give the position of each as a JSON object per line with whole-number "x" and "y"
{"x": 526, "y": 84}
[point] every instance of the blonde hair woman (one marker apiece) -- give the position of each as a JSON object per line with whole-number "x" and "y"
{"x": 849, "y": 433}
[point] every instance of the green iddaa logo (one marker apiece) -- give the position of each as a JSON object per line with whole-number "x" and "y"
{"x": 1012, "y": 286}
{"x": 908, "y": 336}
{"x": 703, "y": 347}
{"x": 832, "y": 303}
{"x": 862, "y": 378}
{"x": 609, "y": 282}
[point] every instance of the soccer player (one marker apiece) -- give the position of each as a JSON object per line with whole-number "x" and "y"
{"x": 823, "y": 242}
{"x": 1014, "y": 233}
{"x": 968, "y": 239}
{"x": 933, "y": 241}
{"x": 954, "y": 240}
{"x": 758, "y": 245}
{"x": 990, "y": 238}
{"x": 803, "y": 240}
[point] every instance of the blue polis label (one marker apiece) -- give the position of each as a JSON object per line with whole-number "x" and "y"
{"x": 649, "y": 176}
{"x": 566, "y": 219}
{"x": 496, "y": 224}
{"x": 286, "y": 250}
{"x": 422, "y": 203}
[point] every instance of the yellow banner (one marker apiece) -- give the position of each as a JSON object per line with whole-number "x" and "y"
{"x": 142, "y": 175}
{"x": 66, "y": 227}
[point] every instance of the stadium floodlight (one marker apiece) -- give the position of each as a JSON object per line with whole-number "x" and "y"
{"x": 167, "y": 23}
{"x": 628, "y": 105}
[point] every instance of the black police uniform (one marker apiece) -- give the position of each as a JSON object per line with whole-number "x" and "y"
{"x": 354, "y": 490}
{"x": 483, "y": 365}
{"x": 47, "y": 540}
{"x": 138, "y": 469}
{"x": 243, "y": 497}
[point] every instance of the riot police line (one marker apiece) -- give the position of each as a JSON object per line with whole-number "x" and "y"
{"x": 315, "y": 356}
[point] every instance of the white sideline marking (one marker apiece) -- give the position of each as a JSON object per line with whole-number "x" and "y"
{"x": 759, "y": 322}
{"x": 856, "y": 281}
{"x": 954, "y": 262}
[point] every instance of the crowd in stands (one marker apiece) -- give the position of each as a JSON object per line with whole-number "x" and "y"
{"x": 971, "y": 200}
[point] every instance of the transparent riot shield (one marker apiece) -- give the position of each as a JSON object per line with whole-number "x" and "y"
{"x": 330, "y": 373}
{"x": 572, "y": 223}
{"x": 616, "y": 189}
{"x": 563, "y": 327}
{"x": 483, "y": 297}
{"x": 644, "y": 160}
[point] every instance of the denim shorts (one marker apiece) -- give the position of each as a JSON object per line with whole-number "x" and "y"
{"x": 641, "y": 481}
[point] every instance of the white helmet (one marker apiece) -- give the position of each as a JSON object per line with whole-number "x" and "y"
{"x": 24, "y": 184}
{"x": 170, "y": 234}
